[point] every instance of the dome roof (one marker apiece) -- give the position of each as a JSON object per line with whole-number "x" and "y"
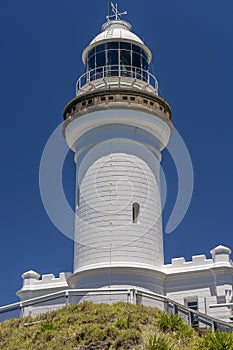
{"x": 220, "y": 249}
{"x": 116, "y": 30}
{"x": 30, "y": 274}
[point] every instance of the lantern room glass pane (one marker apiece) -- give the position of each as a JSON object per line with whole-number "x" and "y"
{"x": 144, "y": 55}
{"x": 100, "y": 48}
{"x": 112, "y": 57}
{"x": 144, "y": 64}
{"x": 125, "y": 57}
{"x": 112, "y": 46}
{"x": 125, "y": 46}
{"x": 91, "y": 53}
{"x": 100, "y": 59}
{"x": 91, "y": 62}
{"x": 136, "y": 60}
{"x": 136, "y": 49}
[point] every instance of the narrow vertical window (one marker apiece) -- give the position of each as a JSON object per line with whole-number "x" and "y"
{"x": 135, "y": 212}
{"x": 78, "y": 196}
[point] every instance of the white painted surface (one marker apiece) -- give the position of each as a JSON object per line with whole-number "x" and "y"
{"x": 116, "y": 30}
{"x": 152, "y": 124}
{"x": 111, "y": 177}
{"x": 34, "y": 286}
{"x": 118, "y": 164}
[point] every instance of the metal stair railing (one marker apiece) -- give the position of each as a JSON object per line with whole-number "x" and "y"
{"x": 190, "y": 316}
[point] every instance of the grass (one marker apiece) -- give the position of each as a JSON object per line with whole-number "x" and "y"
{"x": 90, "y": 326}
{"x": 215, "y": 341}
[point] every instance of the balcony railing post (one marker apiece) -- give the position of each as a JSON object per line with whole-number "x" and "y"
{"x": 175, "y": 309}
{"x": 67, "y": 301}
{"x": 116, "y": 71}
{"x": 166, "y": 306}
{"x": 133, "y": 294}
{"x": 21, "y": 310}
{"x": 214, "y": 326}
{"x": 191, "y": 319}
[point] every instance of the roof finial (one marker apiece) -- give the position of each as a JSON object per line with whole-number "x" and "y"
{"x": 115, "y": 12}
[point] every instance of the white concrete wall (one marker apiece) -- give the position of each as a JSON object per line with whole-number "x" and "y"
{"x": 209, "y": 281}
{"x": 34, "y": 285}
{"x": 119, "y": 277}
{"x": 111, "y": 177}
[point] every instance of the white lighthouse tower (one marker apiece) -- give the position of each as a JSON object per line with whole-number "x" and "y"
{"x": 117, "y": 126}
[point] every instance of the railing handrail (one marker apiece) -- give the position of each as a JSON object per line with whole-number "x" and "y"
{"x": 54, "y": 295}
{"x": 78, "y": 292}
{"x": 187, "y": 309}
{"x": 220, "y": 305}
{"x": 104, "y": 72}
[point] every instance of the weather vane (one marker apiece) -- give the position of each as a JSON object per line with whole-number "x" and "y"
{"x": 116, "y": 14}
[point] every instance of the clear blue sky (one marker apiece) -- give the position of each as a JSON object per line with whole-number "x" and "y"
{"x": 41, "y": 46}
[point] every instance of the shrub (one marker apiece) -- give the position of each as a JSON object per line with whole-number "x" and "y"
{"x": 215, "y": 341}
{"x": 46, "y": 326}
{"x": 170, "y": 323}
{"x": 158, "y": 342}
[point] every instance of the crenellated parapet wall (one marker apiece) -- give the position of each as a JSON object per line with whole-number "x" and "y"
{"x": 220, "y": 257}
{"x": 36, "y": 285}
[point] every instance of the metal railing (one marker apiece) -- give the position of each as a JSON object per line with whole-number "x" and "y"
{"x": 124, "y": 74}
{"x": 192, "y": 317}
{"x": 60, "y": 299}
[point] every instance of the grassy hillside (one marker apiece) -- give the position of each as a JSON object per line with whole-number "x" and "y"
{"x": 107, "y": 327}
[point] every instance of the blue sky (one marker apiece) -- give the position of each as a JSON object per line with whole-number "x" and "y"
{"x": 41, "y": 46}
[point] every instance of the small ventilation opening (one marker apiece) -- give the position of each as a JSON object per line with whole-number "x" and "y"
{"x": 135, "y": 212}
{"x": 78, "y": 196}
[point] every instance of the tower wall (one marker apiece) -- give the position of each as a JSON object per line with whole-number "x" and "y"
{"x": 117, "y": 153}
{"x": 113, "y": 177}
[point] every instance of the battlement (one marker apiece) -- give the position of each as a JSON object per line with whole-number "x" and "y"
{"x": 220, "y": 257}
{"x": 34, "y": 283}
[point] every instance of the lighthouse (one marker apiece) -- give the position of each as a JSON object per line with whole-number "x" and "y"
{"x": 117, "y": 126}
